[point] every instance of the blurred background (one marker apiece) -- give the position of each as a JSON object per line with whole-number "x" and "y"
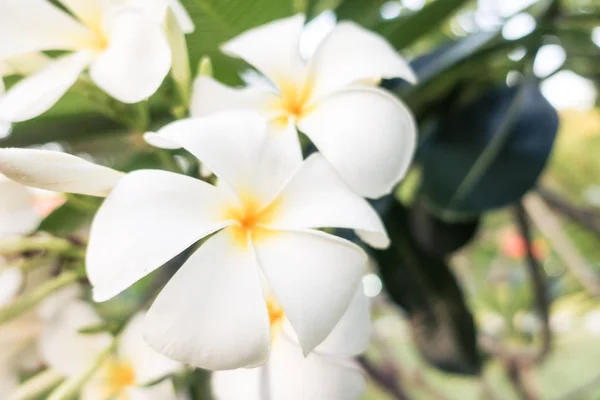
{"x": 491, "y": 289}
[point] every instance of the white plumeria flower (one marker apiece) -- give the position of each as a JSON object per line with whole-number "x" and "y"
{"x": 364, "y": 132}
{"x": 18, "y": 215}
{"x": 262, "y": 212}
{"x": 124, "y": 374}
{"x": 328, "y": 373}
{"x": 125, "y": 48}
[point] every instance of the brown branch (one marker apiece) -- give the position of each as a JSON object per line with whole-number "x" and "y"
{"x": 585, "y": 217}
{"x": 387, "y": 379}
{"x": 538, "y": 283}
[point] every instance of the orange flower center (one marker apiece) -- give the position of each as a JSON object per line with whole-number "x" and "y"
{"x": 119, "y": 375}
{"x": 276, "y": 316}
{"x": 294, "y": 102}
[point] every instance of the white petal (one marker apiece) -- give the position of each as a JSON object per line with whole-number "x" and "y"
{"x": 56, "y": 171}
{"x": 89, "y": 12}
{"x": 34, "y": 25}
{"x": 314, "y": 276}
{"x": 11, "y": 281}
{"x": 153, "y": 139}
{"x": 316, "y": 197}
{"x": 352, "y": 333}
{"x": 24, "y": 64}
{"x": 54, "y": 303}
{"x": 137, "y": 59}
{"x": 9, "y": 381}
{"x": 65, "y": 349}
{"x": 350, "y": 54}
{"x": 236, "y": 148}
{"x": 212, "y": 313}
{"x": 185, "y": 21}
{"x": 272, "y": 48}
{"x": 294, "y": 377}
{"x": 37, "y": 93}
{"x": 147, "y": 363}
{"x": 161, "y": 391}
{"x": 17, "y": 215}
{"x": 210, "y": 97}
{"x": 159, "y": 215}
{"x": 366, "y": 134}
{"x": 243, "y": 383}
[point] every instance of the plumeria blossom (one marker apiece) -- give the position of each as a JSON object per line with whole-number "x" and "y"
{"x": 366, "y": 133}
{"x": 122, "y": 43}
{"x": 328, "y": 373}
{"x": 127, "y": 373}
{"x": 262, "y": 215}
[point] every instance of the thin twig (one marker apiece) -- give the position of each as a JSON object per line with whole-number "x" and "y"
{"x": 538, "y": 283}
{"x": 587, "y": 218}
{"x": 550, "y": 227}
{"x": 385, "y": 379}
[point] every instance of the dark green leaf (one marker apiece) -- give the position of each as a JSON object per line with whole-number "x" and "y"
{"x": 365, "y": 12}
{"x": 487, "y": 153}
{"x": 442, "y": 325}
{"x": 407, "y": 30}
{"x": 437, "y": 237}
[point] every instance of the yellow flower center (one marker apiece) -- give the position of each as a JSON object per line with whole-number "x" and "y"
{"x": 251, "y": 219}
{"x": 293, "y": 102}
{"x": 276, "y": 316}
{"x": 119, "y": 375}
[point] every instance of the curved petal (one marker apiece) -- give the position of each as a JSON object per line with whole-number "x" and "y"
{"x": 159, "y": 215}
{"x": 148, "y": 365}
{"x": 17, "y": 215}
{"x": 210, "y": 97}
{"x": 236, "y": 146}
{"x": 366, "y": 134}
{"x": 35, "y": 25}
{"x": 350, "y": 54}
{"x": 56, "y": 171}
{"x": 212, "y": 313}
{"x": 304, "y": 269}
{"x": 37, "y": 93}
{"x": 316, "y": 197}
{"x": 294, "y": 377}
{"x": 272, "y": 48}
{"x": 243, "y": 383}
{"x": 352, "y": 333}
{"x": 63, "y": 348}
{"x": 186, "y": 24}
{"x": 89, "y": 12}
{"x": 137, "y": 59}
{"x": 11, "y": 281}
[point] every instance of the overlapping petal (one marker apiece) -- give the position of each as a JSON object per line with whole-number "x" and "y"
{"x": 294, "y": 377}
{"x": 56, "y": 171}
{"x": 158, "y": 214}
{"x": 272, "y": 48}
{"x": 136, "y": 60}
{"x": 212, "y": 313}
{"x": 316, "y": 197}
{"x": 148, "y": 365}
{"x": 37, "y": 93}
{"x": 243, "y": 383}
{"x": 35, "y": 25}
{"x": 304, "y": 268}
{"x": 17, "y": 215}
{"x": 87, "y": 11}
{"x": 350, "y": 54}
{"x": 366, "y": 134}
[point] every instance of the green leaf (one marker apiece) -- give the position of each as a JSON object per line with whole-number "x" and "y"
{"x": 442, "y": 325}
{"x": 365, "y": 12}
{"x": 75, "y": 213}
{"x": 220, "y": 20}
{"x": 407, "y": 30}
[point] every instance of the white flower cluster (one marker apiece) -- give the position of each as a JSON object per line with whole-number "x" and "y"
{"x": 269, "y": 300}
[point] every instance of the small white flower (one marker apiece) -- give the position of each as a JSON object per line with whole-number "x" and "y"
{"x": 125, "y": 48}
{"x": 328, "y": 373}
{"x": 17, "y": 213}
{"x": 364, "y": 132}
{"x": 124, "y": 374}
{"x": 263, "y": 214}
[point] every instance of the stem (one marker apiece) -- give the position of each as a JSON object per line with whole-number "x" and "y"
{"x": 32, "y": 299}
{"x": 550, "y": 227}
{"x": 587, "y": 218}
{"x": 37, "y": 385}
{"x": 385, "y": 379}
{"x": 538, "y": 283}
{"x": 20, "y": 244}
